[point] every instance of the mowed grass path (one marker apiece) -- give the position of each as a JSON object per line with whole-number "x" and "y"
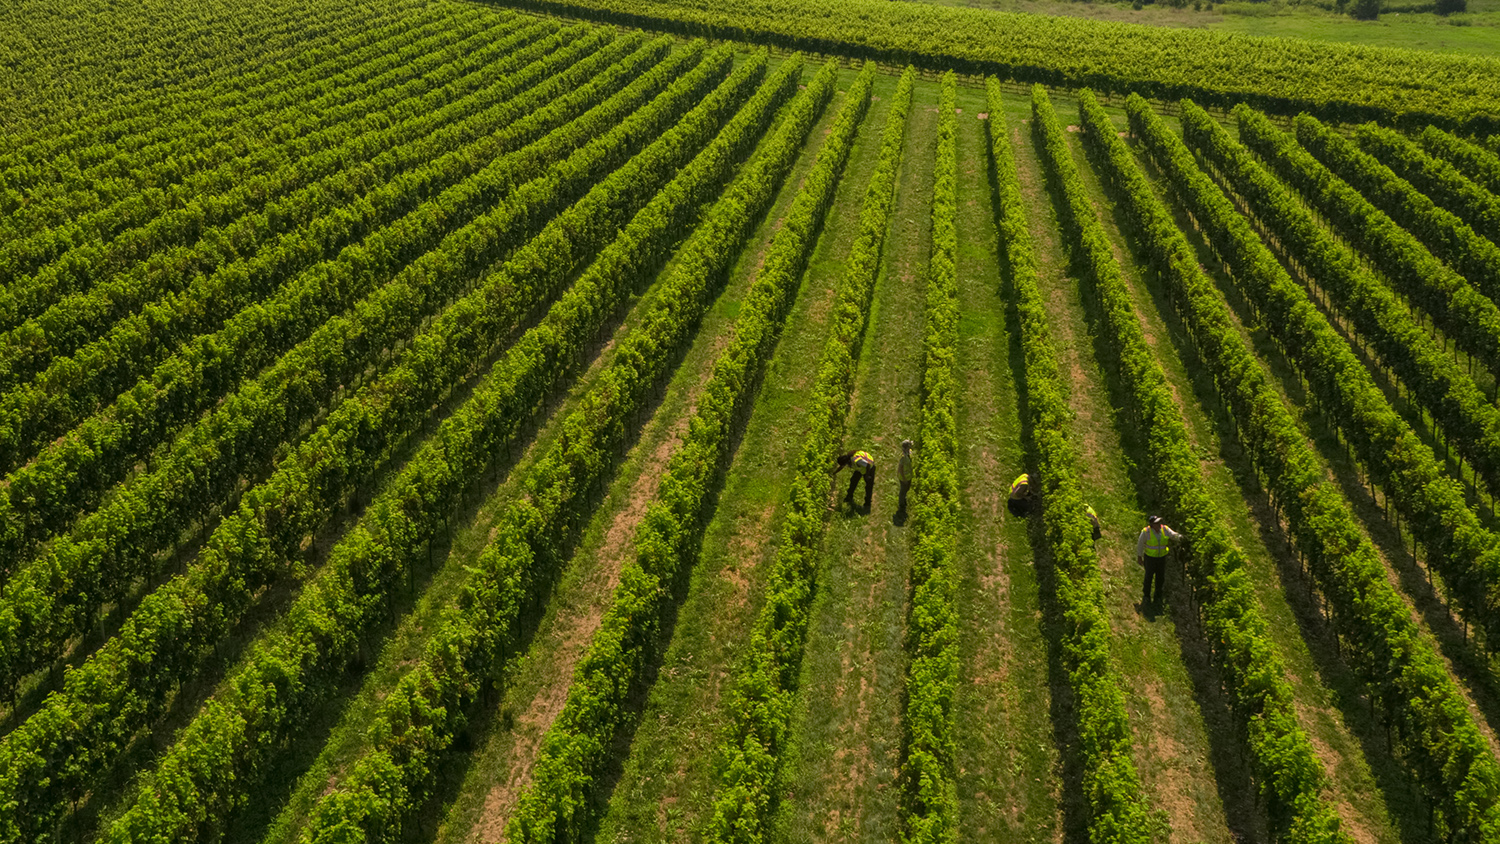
{"x": 846, "y": 737}
{"x": 666, "y": 785}
{"x": 1009, "y": 782}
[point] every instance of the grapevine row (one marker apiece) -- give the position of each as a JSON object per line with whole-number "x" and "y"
{"x": 198, "y": 608}
{"x": 96, "y": 152}
{"x": 1440, "y": 181}
{"x": 1448, "y": 237}
{"x": 292, "y": 46}
{"x": 49, "y": 599}
{"x": 929, "y": 809}
{"x": 241, "y": 222}
{"x": 555, "y": 806}
{"x": 1285, "y": 75}
{"x": 1466, "y": 315}
{"x": 760, "y": 703}
{"x": 98, "y": 243}
{"x": 72, "y": 473}
{"x": 312, "y": 484}
{"x": 1291, "y": 779}
{"x": 1476, "y": 162}
{"x": 420, "y": 716}
{"x": 1117, "y": 811}
{"x": 1467, "y": 555}
{"x": 113, "y": 55}
{"x": 1433, "y": 732}
{"x": 144, "y": 172}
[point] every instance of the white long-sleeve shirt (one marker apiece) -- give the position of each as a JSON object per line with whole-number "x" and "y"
{"x": 1140, "y": 541}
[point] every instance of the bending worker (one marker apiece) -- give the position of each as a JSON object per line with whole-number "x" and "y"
{"x": 863, "y": 465}
{"x": 1088, "y": 510}
{"x": 1020, "y": 495}
{"x": 1151, "y": 549}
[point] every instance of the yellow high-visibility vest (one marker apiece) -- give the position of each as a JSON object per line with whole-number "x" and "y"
{"x": 1156, "y": 542}
{"x": 1024, "y": 480}
{"x": 863, "y": 460}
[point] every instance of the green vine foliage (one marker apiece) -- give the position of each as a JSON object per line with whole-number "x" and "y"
{"x": 174, "y": 629}
{"x": 1448, "y": 237}
{"x": 420, "y": 717}
{"x": 930, "y": 810}
{"x": 1458, "y": 545}
{"x": 1432, "y": 730}
{"x": 84, "y": 456}
{"x": 1285, "y": 75}
{"x": 1290, "y": 777}
{"x": 1464, "y": 314}
{"x": 56, "y": 595}
{"x": 749, "y": 754}
{"x": 70, "y": 245}
{"x": 1444, "y": 183}
{"x": 1117, "y": 811}
{"x": 1472, "y": 159}
{"x": 556, "y": 805}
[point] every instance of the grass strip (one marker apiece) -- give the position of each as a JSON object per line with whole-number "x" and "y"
{"x": 930, "y": 808}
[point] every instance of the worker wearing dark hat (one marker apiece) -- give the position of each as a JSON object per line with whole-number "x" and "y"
{"x": 863, "y": 465}
{"x": 1019, "y": 501}
{"x": 1151, "y": 549}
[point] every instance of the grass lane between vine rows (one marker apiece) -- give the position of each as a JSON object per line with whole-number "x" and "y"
{"x": 666, "y": 774}
{"x": 1008, "y": 786}
{"x": 843, "y": 753}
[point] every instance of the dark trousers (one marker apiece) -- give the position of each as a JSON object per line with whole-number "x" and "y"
{"x": 901, "y": 500}
{"x": 869, "y": 478}
{"x": 1156, "y": 572}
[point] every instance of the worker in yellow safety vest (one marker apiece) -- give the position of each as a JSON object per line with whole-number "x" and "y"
{"x": 1088, "y": 510}
{"x": 1019, "y": 503}
{"x": 863, "y": 465}
{"x": 1151, "y": 549}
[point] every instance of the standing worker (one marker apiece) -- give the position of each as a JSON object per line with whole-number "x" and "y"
{"x": 1151, "y": 549}
{"x": 1088, "y": 510}
{"x": 904, "y": 475}
{"x": 1020, "y": 496}
{"x": 863, "y": 465}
